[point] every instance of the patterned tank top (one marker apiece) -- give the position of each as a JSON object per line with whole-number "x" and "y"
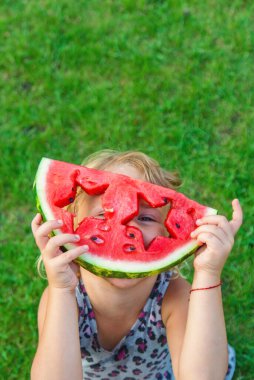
{"x": 142, "y": 354}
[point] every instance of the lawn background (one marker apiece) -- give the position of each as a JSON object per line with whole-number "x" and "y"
{"x": 171, "y": 78}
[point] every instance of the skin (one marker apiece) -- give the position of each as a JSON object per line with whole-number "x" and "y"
{"x": 194, "y": 323}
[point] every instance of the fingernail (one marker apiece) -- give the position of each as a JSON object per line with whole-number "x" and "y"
{"x": 76, "y": 237}
{"x": 85, "y": 247}
{"x": 198, "y": 221}
{"x": 60, "y": 222}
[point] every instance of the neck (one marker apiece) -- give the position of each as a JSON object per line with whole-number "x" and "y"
{"x": 117, "y": 298}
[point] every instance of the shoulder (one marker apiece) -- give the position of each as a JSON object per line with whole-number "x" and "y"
{"x": 176, "y": 298}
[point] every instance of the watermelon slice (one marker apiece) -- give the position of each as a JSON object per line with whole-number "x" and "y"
{"x": 115, "y": 248}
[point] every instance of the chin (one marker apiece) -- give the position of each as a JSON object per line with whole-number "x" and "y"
{"x": 124, "y": 283}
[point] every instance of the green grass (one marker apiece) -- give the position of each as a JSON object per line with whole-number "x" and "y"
{"x": 170, "y": 78}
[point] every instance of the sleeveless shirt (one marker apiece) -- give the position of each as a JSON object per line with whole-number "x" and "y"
{"x": 142, "y": 354}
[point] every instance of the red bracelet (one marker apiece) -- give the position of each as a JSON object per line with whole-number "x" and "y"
{"x": 209, "y": 287}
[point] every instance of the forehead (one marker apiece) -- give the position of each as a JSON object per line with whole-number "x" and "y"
{"x": 126, "y": 169}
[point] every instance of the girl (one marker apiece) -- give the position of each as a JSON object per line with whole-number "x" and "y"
{"x": 157, "y": 327}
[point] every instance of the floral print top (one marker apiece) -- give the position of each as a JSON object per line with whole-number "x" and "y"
{"x": 142, "y": 354}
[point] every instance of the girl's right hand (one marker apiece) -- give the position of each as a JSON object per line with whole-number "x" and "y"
{"x": 61, "y": 271}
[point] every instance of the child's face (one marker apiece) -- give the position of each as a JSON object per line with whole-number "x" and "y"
{"x": 150, "y": 221}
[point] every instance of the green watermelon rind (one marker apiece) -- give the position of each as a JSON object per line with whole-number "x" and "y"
{"x": 108, "y": 270}
{"x": 105, "y": 272}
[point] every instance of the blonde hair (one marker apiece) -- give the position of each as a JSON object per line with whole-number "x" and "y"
{"x": 147, "y": 166}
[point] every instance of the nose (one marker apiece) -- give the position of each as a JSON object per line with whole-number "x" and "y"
{"x": 145, "y": 238}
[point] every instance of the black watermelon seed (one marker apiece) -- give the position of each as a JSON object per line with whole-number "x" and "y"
{"x": 132, "y": 248}
{"x": 165, "y": 200}
{"x": 178, "y": 225}
{"x": 94, "y": 238}
{"x": 71, "y": 200}
{"x": 131, "y": 235}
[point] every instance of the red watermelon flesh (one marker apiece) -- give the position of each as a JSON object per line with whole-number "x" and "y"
{"x": 116, "y": 249}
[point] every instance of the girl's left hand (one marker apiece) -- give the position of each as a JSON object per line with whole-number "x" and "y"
{"x": 217, "y": 233}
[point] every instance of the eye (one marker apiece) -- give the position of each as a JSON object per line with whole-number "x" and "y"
{"x": 145, "y": 218}
{"x": 100, "y": 216}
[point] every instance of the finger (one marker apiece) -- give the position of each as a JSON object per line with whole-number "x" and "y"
{"x": 36, "y": 222}
{"x": 212, "y": 230}
{"x": 68, "y": 256}
{"x": 209, "y": 239}
{"x": 217, "y": 220}
{"x": 52, "y": 248}
{"x": 200, "y": 250}
{"x": 42, "y": 232}
{"x": 237, "y": 217}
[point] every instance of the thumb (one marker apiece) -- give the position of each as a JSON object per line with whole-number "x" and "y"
{"x": 237, "y": 217}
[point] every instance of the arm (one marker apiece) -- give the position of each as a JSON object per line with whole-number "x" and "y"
{"x": 58, "y": 353}
{"x": 196, "y": 329}
{"x": 204, "y": 348}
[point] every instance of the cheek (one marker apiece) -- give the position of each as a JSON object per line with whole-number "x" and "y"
{"x": 164, "y": 231}
{"x": 152, "y": 232}
{"x": 80, "y": 215}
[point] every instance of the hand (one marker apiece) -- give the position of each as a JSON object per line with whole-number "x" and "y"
{"x": 217, "y": 233}
{"x": 61, "y": 271}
